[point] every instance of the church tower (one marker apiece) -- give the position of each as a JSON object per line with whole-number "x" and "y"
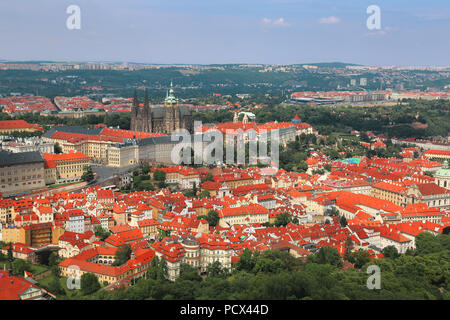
{"x": 134, "y": 112}
{"x": 245, "y": 120}
{"x": 147, "y": 114}
{"x": 235, "y": 118}
{"x": 172, "y": 113}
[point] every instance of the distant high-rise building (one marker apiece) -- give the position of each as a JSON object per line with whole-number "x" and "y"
{"x": 363, "y": 82}
{"x": 353, "y": 82}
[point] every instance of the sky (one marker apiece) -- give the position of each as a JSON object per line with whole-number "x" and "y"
{"x": 412, "y": 33}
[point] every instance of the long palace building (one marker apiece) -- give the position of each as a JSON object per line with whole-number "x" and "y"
{"x": 165, "y": 118}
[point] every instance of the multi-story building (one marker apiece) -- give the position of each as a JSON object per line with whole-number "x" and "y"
{"x": 21, "y": 172}
{"x": 75, "y": 222}
{"x": 97, "y": 261}
{"x": 9, "y": 126}
{"x": 94, "y": 146}
{"x": 120, "y": 155}
{"x": 431, "y": 194}
{"x": 396, "y": 194}
{"x": 33, "y": 235}
{"x": 214, "y": 250}
{"x": 438, "y": 155}
{"x": 159, "y": 149}
{"x": 442, "y": 176}
{"x": 117, "y": 147}
{"x": 38, "y": 235}
{"x": 149, "y": 227}
{"x": 392, "y": 237}
{"x": 234, "y": 179}
{"x": 198, "y": 252}
{"x": 185, "y": 177}
{"x": 28, "y": 145}
{"x": 7, "y": 213}
{"x": 65, "y": 167}
{"x": 254, "y": 213}
{"x": 13, "y": 234}
{"x": 173, "y": 254}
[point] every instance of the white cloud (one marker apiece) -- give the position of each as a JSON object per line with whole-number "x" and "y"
{"x": 329, "y": 20}
{"x": 275, "y": 23}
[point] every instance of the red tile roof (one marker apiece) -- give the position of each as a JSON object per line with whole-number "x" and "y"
{"x": 17, "y": 125}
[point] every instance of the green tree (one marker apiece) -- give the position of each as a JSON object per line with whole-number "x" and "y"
{"x": 359, "y": 258}
{"x": 247, "y": 260}
{"x": 88, "y": 174}
{"x": 56, "y": 271}
{"x": 10, "y": 253}
{"x": 327, "y": 255}
{"x": 194, "y": 189}
{"x": 390, "y": 252}
{"x": 187, "y": 272}
{"x": 102, "y": 233}
{"x": 163, "y": 270}
{"x": 204, "y": 194}
{"x": 145, "y": 169}
{"x": 343, "y": 221}
{"x": 53, "y": 259}
{"x": 215, "y": 269}
{"x": 159, "y": 176}
{"x": 57, "y": 148}
{"x": 427, "y": 243}
{"x": 213, "y": 218}
{"x": 364, "y": 137}
{"x": 348, "y": 247}
{"x": 123, "y": 254}
{"x": 208, "y": 177}
{"x": 20, "y": 266}
{"x": 89, "y": 283}
{"x": 282, "y": 219}
{"x": 158, "y": 269}
{"x": 55, "y": 287}
{"x": 152, "y": 271}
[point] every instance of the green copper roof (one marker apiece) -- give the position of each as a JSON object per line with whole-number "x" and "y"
{"x": 350, "y": 160}
{"x": 170, "y": 98}
{"x": 445, "y": 171}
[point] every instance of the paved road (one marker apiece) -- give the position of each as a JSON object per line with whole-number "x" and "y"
{"x": 106, "y": 172}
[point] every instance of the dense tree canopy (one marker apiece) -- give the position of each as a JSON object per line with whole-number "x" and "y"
{"x": 278, "y": 275}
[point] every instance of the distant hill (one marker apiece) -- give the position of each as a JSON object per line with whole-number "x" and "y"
{"x": 319, "y": 64}
{"x": 330, "y": 64}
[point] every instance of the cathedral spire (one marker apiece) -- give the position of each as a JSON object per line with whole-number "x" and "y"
{"x": 146, "y": 103}
{"x": 170, "y": 97}
{"x": 135, "y": 100}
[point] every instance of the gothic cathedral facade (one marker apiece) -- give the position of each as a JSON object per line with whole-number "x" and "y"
{"x": 165, "y": 118}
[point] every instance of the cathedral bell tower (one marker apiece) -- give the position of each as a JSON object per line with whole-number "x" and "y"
{"x": 171, "y": 114}
{"x": 135, "y": 113}
{"x": 147, "y": 114}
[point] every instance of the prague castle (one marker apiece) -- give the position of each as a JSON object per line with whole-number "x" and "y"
{"x": 165, "y": 118}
